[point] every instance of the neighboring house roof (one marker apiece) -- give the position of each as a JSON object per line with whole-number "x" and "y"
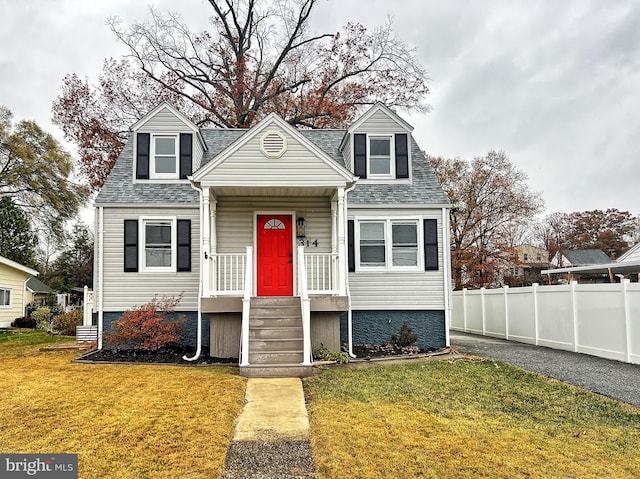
{"x": 36, "y": 286}
{"x": 624, "y": 267}
{"x": 584, "y": 257}
{"x": 632, "y": 254}
{"x": 18, "y": 266}
{"x": 424, "y": 188}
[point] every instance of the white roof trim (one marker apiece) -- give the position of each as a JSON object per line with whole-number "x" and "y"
{"x": 18, "y": 266}
{"x": 261, "y": 127}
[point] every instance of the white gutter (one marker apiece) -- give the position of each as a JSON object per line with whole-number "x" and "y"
{"x": 199, "y": 330}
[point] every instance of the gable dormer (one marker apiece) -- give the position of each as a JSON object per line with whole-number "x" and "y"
{"x": 377, "y": 146}
{"x": 167, "y": 146}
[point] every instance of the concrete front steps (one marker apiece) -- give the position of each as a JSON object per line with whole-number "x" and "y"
{"x": 275, "y": 338}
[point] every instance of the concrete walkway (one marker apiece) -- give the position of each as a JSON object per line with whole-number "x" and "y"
{"x": 271, "y": 436}
{"x": 603, "y": 376}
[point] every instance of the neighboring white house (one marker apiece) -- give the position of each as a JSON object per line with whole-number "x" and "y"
{"x": 633, "y": 254}
{"x": 13, "y": 290}
{"x": 336, "y": 236}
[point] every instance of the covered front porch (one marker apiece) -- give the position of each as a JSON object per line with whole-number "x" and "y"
{"x": 274, "y": 274}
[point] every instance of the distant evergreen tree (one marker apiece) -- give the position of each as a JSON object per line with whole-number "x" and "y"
{"x": 17, "y": 241}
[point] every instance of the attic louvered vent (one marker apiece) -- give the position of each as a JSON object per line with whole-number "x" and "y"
{"x": 273, "y": 144}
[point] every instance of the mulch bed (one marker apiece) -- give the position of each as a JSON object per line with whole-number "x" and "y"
{"x": 175, "y": 355}
{"x": 162, "y": 356}
{"x": 367, "y": 351}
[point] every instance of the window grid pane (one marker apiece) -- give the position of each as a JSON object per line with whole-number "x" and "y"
{"x": 5, "y": 297}
{"x": 165, "y": 146}
{"x": 405, "y": 244}
{"x": 158, "y": 251}
{"x": 372, "y": 244}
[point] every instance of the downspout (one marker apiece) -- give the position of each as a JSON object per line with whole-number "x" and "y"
{"x": 447, "y": 274}
{"x": 24, "y": 296}
{"x": 100, "y": 273}
{"x": 199, "y": 330}
{"x": 346, "y": 276}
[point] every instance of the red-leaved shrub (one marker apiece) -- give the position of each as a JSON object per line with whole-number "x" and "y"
{"x": 147, "y": 327}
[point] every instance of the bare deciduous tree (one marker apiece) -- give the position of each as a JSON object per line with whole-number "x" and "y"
{"x": 260, "y": 57}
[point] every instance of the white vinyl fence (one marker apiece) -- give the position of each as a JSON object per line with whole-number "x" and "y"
{"x": 598, "y": 319}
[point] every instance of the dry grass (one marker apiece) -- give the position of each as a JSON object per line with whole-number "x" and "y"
{"x": 124, "y": 421}
{"x": 466, "y": 419}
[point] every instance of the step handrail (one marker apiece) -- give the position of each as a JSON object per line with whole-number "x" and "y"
{"x": 246, "y": 307}
{"x": 305, "y": 304}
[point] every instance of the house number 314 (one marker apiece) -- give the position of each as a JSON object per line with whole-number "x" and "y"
{"x": 308, "y": 243}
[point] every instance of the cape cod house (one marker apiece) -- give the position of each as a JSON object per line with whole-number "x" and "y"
{"x": 281, "y": 241}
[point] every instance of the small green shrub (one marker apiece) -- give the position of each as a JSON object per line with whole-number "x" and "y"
{"x": 325, "y": 354}
{"x": 66, "y": 323}
{"x": 405, "y": 336}
{"x": 147, "y": 327}
{"x": 43, "y": 317}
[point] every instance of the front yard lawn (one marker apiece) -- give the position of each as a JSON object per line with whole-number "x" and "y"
{"x": 123, "y": 421}
{"x": 466, "y": 419}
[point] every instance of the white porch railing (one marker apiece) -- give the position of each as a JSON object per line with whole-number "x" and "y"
{"x": 306, "y": 308}
{"x": 230, "y": 273}
{"x": 321, "y": 272}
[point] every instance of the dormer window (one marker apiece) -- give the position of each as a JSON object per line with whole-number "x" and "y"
{"x": 164, "y": 157}
{"x": 381, "y": 156}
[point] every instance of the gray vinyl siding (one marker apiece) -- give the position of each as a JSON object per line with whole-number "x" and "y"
{"x": 379, "y": 123}
{"x": 399, "y": 290}
{"x": 124, "y": 290}
{"x": 298, "y": 166}
{"x": 235, "y": 220}
{"x": 165, "y": 122}
{"x": 198, "y": 153}
{"x": 347, "y": 152}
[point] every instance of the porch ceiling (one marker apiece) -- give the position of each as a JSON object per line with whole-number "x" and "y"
{"x": 273, "y": 191}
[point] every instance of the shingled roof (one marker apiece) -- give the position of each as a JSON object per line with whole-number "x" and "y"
{"x": 583, "y": 257}
{"x": 120, "y": 189}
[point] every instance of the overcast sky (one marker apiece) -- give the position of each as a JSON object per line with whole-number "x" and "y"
{"x": 555, "y": 84}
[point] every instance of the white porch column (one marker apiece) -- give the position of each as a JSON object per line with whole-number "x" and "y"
{"x": 342, "y": 250}
{"x": 205, "y": 231}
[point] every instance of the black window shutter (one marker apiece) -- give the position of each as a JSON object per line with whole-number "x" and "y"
{"x": 360, "y": 155}
{"x": 351, "y": 245}
{"x": 142, "y": 156}
{"x": 184, "y": 245}
{"x": 130, "y": 246}
{"x": 431, "y": 245}
{"x": 402, "y": 156}
{"x": 186, "y": 155}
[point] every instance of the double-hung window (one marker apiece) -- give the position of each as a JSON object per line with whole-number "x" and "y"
{"x": 164, "y": 163}
{"x": 389, "y": 244}
{"x": 5, "y": 298}
{"x": 159, "y": 245}
{"x": 380, "y": 157}
{"x": 404, "y": 251}
{"x": 372, "y": 244}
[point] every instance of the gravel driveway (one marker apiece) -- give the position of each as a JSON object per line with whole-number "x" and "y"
{"x": 603, "y": 376}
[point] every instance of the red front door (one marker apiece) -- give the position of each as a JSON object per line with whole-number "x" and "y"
{"x": 274, "y": 255}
